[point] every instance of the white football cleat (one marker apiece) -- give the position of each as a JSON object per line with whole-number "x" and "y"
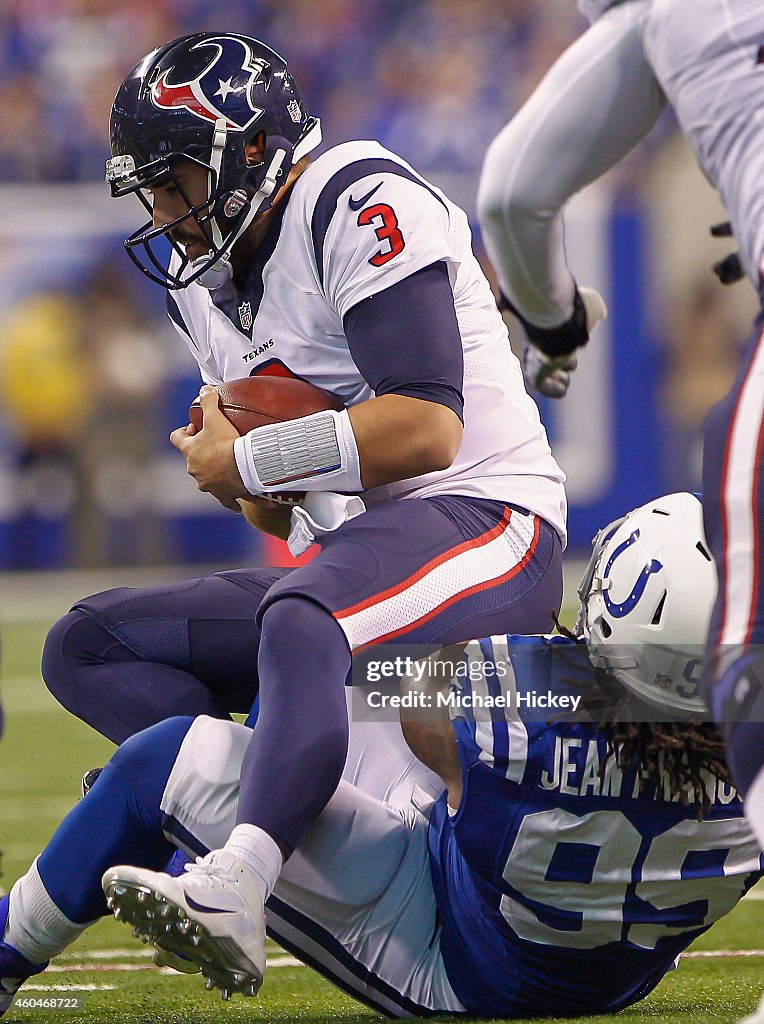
{"x": 163, "y": 958}
{"x": 212, "y": 916}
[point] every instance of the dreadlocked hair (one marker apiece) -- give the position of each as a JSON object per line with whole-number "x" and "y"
{"x": 685, "y": 752}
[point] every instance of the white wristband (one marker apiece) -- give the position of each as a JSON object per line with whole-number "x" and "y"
{"x": 312, "y": 453}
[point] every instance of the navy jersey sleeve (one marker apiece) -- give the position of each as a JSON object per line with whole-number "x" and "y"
{"x": 405, "y": 340}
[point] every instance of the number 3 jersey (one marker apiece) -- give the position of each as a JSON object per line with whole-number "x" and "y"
{"x": 563, "y": 888}
{"x": 357, "y": 221}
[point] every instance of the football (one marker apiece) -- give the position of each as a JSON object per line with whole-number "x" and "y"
{"x": 256, "y": 401}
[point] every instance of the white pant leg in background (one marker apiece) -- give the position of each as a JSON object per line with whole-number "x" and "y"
{"x": 593, "y": 9}
{"x": 707, "y": 61}
{"x": 355, "y": 900}
{"x": 593, "y": 106}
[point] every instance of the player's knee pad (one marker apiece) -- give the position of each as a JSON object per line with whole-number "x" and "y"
{"x": 498, "y": 191}
{"x": 69, "y": 644}
{"x": 511, "y": 188}
{"x": 490, "y": 204}
{"x": 294, "y": 615}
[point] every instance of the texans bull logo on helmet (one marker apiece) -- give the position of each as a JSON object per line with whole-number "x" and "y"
{"x": 207, "y": 95}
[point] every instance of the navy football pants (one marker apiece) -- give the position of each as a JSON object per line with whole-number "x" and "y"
{"x": 733, "y": 499}
{"x": 419, "y": 571}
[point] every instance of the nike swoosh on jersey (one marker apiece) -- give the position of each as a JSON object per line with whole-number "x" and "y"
{"x": 356, "y": 204}
{"x": 206, "y": 910}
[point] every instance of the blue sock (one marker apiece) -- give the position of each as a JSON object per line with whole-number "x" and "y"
{"x": 118, "y": 822}
{"x": 295, "y": 758}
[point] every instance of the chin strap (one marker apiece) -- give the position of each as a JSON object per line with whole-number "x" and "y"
{"x": 278, "y": 164}
{"x": 221, "y": 270}
{"x": 216, "y": 274}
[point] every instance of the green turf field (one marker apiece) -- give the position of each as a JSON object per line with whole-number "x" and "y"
{"x": 42, "y": 757}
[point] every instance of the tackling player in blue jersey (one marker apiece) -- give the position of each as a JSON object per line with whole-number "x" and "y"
{"x": 562, "y": 871}
{"x": 571, "y": 883}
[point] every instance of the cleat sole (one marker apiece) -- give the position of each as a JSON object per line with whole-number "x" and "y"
{"x": 156, "y": 919}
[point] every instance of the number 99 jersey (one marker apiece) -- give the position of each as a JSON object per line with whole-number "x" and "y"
{"x": 562, "y": 889}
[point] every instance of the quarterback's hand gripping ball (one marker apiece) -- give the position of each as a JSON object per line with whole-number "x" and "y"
{"x": 219, "y": 415}
{"x": 258, "y": 401}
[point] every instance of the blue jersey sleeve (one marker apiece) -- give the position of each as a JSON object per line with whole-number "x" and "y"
{"x": 507, "y": 690}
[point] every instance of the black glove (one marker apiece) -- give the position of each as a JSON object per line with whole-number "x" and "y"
{"x": 555, "y": 341}
{"x": 549, "y": 357}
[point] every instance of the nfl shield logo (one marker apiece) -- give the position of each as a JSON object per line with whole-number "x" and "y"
{"x": 245, "y": 315}
{"x": 663, "y": 681}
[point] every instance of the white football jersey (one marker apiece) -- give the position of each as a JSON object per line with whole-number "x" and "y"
{"x": 711, "y": 68}
{"x": 357, "y": 221}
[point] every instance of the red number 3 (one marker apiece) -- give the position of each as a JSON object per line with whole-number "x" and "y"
{"x": 388, "y": 231}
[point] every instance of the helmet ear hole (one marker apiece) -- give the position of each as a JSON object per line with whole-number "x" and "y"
{"x": 704, "y": 551}
{"x": 659, "y": 610}
{"x": 606, "y": 630}
{"x": 253, "y": 151}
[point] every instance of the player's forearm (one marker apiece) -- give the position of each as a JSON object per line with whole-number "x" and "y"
{"x": 520, "y": 212}
{"x": 593, "y": 106}
{"x": 400, "y": 437}
{"x": 267, "y": 516}
{"x": 429, "y": 733}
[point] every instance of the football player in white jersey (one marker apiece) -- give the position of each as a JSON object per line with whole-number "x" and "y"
{"x": 597, "y": 101}
{"x": 552, "y": 878}
{"x": 354, "y": 273}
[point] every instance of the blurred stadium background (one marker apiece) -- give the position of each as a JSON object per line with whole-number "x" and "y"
{"x": 92, "y": 377}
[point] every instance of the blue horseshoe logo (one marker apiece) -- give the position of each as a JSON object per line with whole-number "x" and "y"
{"x": 619, "y": 610}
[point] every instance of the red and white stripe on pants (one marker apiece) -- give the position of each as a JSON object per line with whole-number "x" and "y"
{"x": 475, "y": 565}
{"x": 741, "y": 525}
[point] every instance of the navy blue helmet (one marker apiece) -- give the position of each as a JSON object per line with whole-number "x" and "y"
{"x": 205, "y": 97}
